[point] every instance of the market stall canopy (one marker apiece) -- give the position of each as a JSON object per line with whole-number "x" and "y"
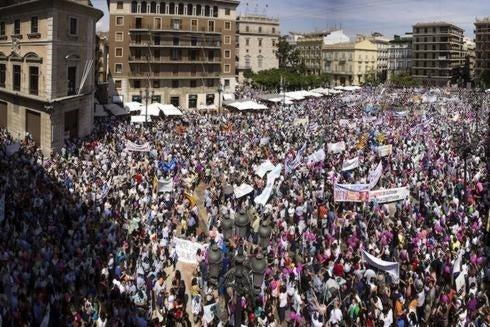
{"x": 115, "y": 109}
{"x": 139, "y": 119}
{"x": 133, "y": 106}
{"x": 247, "y": 105}
{"x": 348, "y": 88}
{"x": 170, "y": 110}
{"x": 99, "y": 111}
{"x": 152, "y": 110}
{"x": 276, "y": 98}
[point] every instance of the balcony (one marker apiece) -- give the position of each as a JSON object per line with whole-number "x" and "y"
{"x": 172, "y": 75}
{"x": 170, "y": 44}
{"x": 170, "y": 60}
{"x": 173, "y": 28}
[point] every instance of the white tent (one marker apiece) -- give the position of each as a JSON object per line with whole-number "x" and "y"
{"x": 140, "y": 119}
{"x": 248, "y": 105}
{"x": 152, "y": 110}
{"x": 348, "y": 88}
{"x": 170, "y": 110}
{"x": 99, "y": 111}
{"x": 116, "y": 110}
{"x": 133, "y": 106}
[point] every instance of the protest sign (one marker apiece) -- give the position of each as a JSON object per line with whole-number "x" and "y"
{"x": 393, "y": 268}
{"x": 389, "y": 195}
{"x": 263, "y": 197}
{"x": 186, "y": 250}
{"x": 316, "y": 156}
{"x": 385, "y": 150}
{"x": 351, "y": 192}
{"x": 460, "y": 282}
{"x": 242, "y": 190}
{"x": 264, "y": 167}
{"x": 375, "y": 175}
{"x": 165, "y": 185}
{"x": 336, "y": 147}
{"x": 290, "y": 165}
{"x": 130, "y": 146}
{"x": 350, "y": 164}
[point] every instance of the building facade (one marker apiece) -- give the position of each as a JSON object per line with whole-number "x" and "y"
{"x": 349, "y": 63}
{"x": 382, "y": 45}
{"x": 469, "y": 58}
{"x": 310, "y": 50}
{"x": 437, "y": 52}
{"x": 183, "y": 52}
{"x": 258, "y": 37}
{"x": 47, "y": 52}
{"x": 482, "y": 46}
{"x": 399, "y": 56}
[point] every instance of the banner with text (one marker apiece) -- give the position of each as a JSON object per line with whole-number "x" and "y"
{"x": 336, "y": 147}
{"x": 316, "y": 156}
{"x": 390, "y": 267}
{"x": 389, "y": 195}
{"x": 130, "y": 146}
{"x": 350, "y": 164}
{"x": 385, "y": 150}
{"x": 264, "y": 167}
{"x": 263, "y": 197}
{"x": 375, "y": 175}
{"x": 351, "y": 192}
{"x": 186, "y": 250}
{"x": 242, "y": 190}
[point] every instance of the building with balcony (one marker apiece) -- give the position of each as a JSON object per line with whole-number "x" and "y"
{"x": 47, "y": 50}
{"x": 382, "y": 44}
{"x": 349, "y": 63}
{"x": 258, "y": 37}
{"x": 437, "y": 52}
{"x": 310, "y": 50}
{"x": 399, "y": 59}
{"x": 469, "y": 58}
{"x": 482, "y": 46}
{"x": 183, "y": 52}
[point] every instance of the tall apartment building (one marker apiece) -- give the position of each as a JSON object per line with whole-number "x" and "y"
{"x": 310, "y": 50}
{"x": 399, "y": 55}
{"x": 482, "y": 40}
{"x": 382, "y": 44}
{"x": 257, "y": 43}
{"x": 185, "y": 51}
{"x": 47, "y": 52}
{"x": 469, "y": 57}
{"x": 437, "y": 52}
{"x": 348, "y": 63}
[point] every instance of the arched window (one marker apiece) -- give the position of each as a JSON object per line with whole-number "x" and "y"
{"x": 143, "y": 7}
{"x": 215, "y": 11}
{"x": 181, "y": 9}
{"x": 189, "y": 9}
{"x": 207, "y": 11}
{"x": 153, "y": 7}
{"x": 198, "y": 10}
{"x": 134, "y": 7}
{"x": 171, "y": 9}
{"x": 162, "y": 7}
{"x": 32, "y": 57}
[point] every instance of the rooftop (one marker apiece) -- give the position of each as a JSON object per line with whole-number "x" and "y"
{"x": 432, "y": 24}
{"x": 257, "y": 18}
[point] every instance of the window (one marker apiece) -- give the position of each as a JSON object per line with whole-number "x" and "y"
{"x": 176, "y": 40}
{"x": 138, "y": 22}
{"x": 73, "y": 26}
{"x": 193, "y": 24}
{"x": 34, "y": 80}
{"x": 176, "y": 24}
{"x": 193, "y": 55}
{"x": 247, "y": 42}
{"x": 260, "y": 60}
{"x": 119, "y": 20}
{"x": 211, "y": 26}
{"x": 209, "y": 99}
{"x": 247, "y": 62}
{"x": 143, "y": 7}
{"x": 162, "y": 7}
{"x": 227, "y": 11}
{"x": 175, "y": 83}
{"x": 227, "y": 68}
{"x": 175, "y": 101}
{"x": 17, "y": 26}
{"x": 273, "y": 43}
{"x": 153, "y": 7}
{"x": 117, "y": 84}
{"x": 119, "y": 52}
{"x": 193, "y": 41}
{"x": 260, "y": 29}
{"x": 193, "y": 83}
{"x": 227, "y": 39}
{"x": 137, "y": 84}
{"x": 34, "y": 24}
{"x": 118, "y": 68}
{"x": 227, "y": 26}
{"x": 2, "y": 28}
{"x": 16, "y": 77}
{"x": 119, "y": 36}
{"x": 190, "y": 8}
{"x": 247, "y": 29}
{"x": 2, "y": 75}
{"x": 227, "y": 83}
{"x": 134, "y": 7}
{"x": 227, "y": 54}
{"x": 156, "y": 84}
{"x": 72, "y": 77}
{"x": 175, "y": 54}
{"x": 207, "y": 11}
{"x": 260, "y": 42}
{"x": 273, "y": 30}
{"x": 192, "y": 100}
{"x": 211, "y": 55}
{"x": 171, "y": 8}
{"x": 156, "y": 40}
{"x": 198, "y": 10}
{"x": 181, "y": 9}
{"x": 120, "y": 5}
{"x": 215, "y": 11}
{"x": 210, "y": 83}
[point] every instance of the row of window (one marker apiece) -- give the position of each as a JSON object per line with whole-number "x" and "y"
{"x": 343, "y": 56}
{"x": 137, "y": 84}
{"x": 156, "y": 7}
{"x": 259, "y": 29}
{"x": 34, "y": 26}
{"x": 118, "y": 68}
{"x": 260, "y": 61}
{"x": 346, "y": 68}
{"x": 175, "y": 23}
{"x": 259, "y": 42}
{"x": 17, "y": 78}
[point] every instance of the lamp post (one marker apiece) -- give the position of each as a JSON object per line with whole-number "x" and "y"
{"x": 220, "y": 90}
{"x": 146, "y": 97}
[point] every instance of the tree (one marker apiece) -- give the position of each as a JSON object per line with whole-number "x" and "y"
{"x": 371, "y": 79}
{"x": 403, "y": 80}
{"x": 483, "y": 80}
{"x": 271, "y": 79}
{"x": 287, "y": 55}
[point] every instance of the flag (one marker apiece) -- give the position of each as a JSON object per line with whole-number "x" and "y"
{"x": 290, "y": 165}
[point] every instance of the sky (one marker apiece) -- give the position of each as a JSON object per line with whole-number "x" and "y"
{"x": 388, "y": 17}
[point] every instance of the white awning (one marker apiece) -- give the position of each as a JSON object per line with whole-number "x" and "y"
{"x": 152, "y": 110}
{"x": 133, "y": 106}
{"x": 248, "y": 105}
{"x": 99, "y": 111}
{"x": 228, "y": 97}
{"x": 116, "y": 110}
{"x": 170, "y": 110}
{"x": 139, "y": 119}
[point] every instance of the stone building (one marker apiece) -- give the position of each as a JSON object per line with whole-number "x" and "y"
{"x": 482, "y": 46}
{"x": 399, "y": 55}
{"x": 47, "y": 52}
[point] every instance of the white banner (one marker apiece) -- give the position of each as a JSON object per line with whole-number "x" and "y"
{"x": 165, "y": 185}
{"x": 460, "y": 282}
{"x": 264, "y": 141}
{"x": 186, "y": 250}
{"x": 130, "y": 146}
{"x": 316, "y": 156}
{"x": 10, "y": 149}
{"x": 264, "y": 167}
{"x": 351, "y": 192}
{"x": 292, "y": 164}
{"x": 389, "y": 195}
{"x": 375, "y": 175}
{"x": 385, "y": 150}
{"x": 336, "y": 147}
{"x": 2, "y": 207}
{"x": 263, "y": 197}
{"x": 242, "y": 190}
{"x": 390, "y": 267}
{"x": 350, "y": 164}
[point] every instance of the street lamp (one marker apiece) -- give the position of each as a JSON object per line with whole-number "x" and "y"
{"x": 227, "y": 227}
{"x": 241, "y": 223}
{"x": 259, "y": 264}
{"x": 220, "y": 90}
{"x": 215, "y": 258}
{"x": 265, "y": 231}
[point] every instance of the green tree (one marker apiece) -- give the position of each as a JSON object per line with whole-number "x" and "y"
{"x": 287, "y": 55}
{"x": 271, "y": 79}
{"x": 403, "y": 80}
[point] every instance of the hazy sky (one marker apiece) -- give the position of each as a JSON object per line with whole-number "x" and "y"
{"x": 358, "y": 16}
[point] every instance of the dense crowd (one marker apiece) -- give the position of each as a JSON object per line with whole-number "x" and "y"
{"x": 87, "y": 239}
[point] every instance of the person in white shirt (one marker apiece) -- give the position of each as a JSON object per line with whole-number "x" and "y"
{"x": 336, "y": 314}
{"x": 386, "y": 317}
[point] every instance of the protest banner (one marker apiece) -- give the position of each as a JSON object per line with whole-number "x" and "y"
{"x": 242, "y": 190}
{"x": 385, "y": 150}
{"x": 165, "y": 185}
{"x": 350, "y": 164}
{"x": 263, "y": 197}
{"x": 186, "y": 250}
{"x": 375, "y": 175}
{"x": 351, "y": 192}
{"x": 290, "y": 165}
{"x": 393, "y": 268}
{"x": 336, "y": 147}
{"x": 316, "y": 156}
{"x": 264, "y": 167}
{"x": 264, "y": 141}
{"x": 130, "y": 146}
{"x": 460, "y": 282}
{"x": 389, "y": 195}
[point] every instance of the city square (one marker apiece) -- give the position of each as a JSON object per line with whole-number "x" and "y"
{"x": 310, "y": 179}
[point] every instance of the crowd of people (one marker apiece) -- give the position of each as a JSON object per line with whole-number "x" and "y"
{"x": 87, "y": 237}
